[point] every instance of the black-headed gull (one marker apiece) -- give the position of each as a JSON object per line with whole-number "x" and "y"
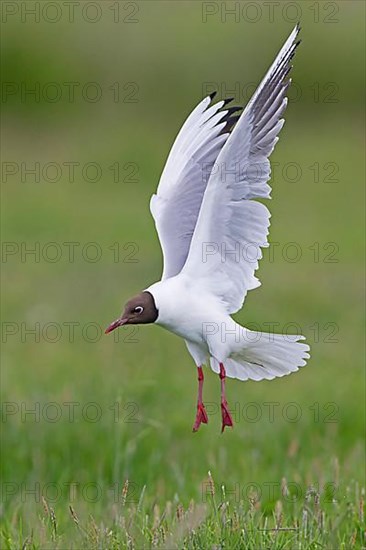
{"x": 211, "y": 232}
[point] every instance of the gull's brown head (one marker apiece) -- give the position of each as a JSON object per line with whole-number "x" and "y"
{"x": 139, "y": 310}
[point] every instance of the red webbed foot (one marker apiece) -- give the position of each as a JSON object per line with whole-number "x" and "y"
{"x": 227, "y": 419}
{"x": 201, "y": 417}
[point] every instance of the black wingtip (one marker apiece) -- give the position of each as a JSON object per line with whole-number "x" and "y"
{"x": 212, "y": 95}
{"x": 230, "y": 124}
{"x": 227, "y": 100}
{"x": 298, "y": 28}
{"x": 234, "y": 109}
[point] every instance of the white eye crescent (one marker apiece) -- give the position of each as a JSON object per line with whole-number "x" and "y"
{"x": 138, "y": 309}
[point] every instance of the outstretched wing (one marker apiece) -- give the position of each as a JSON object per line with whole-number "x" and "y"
{"x": 231, "y": 227}
{"x": 178, "y": 199}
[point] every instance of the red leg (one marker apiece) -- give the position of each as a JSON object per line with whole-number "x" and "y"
{"x": 201, "y": 415}
{"x": 226, "y": 416}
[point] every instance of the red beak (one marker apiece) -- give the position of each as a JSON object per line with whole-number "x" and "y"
{"x": 117, "y": 323}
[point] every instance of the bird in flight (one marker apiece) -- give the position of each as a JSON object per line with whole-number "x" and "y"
{"x": 211, "y": 230}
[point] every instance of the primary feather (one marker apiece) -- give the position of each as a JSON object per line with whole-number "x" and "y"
{"x": 178, "y": 199}
{"x": 232, "y": 228}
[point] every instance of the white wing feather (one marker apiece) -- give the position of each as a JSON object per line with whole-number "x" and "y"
{"x": 176, "y": 205}
{"x": 231, "y": 228}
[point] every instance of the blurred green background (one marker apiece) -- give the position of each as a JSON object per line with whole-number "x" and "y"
{"x": 136, "y": 73}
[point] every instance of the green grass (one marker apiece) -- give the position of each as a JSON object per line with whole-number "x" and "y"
{"x": 320, "y": 521}
{"x": 136, "y": 476}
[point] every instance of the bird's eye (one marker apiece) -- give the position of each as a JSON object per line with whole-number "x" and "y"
{"x": 138, "y": 309}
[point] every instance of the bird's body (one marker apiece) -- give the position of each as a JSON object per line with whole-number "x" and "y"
{"x": 188, "y": 310}
{"x": 212, "y": 229}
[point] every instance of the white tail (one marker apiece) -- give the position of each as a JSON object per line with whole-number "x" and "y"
{"x": 265, "y": 356}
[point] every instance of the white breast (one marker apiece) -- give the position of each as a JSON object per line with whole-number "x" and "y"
{"x": 184, "y": 307}
{"x": 191, "y": 312}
